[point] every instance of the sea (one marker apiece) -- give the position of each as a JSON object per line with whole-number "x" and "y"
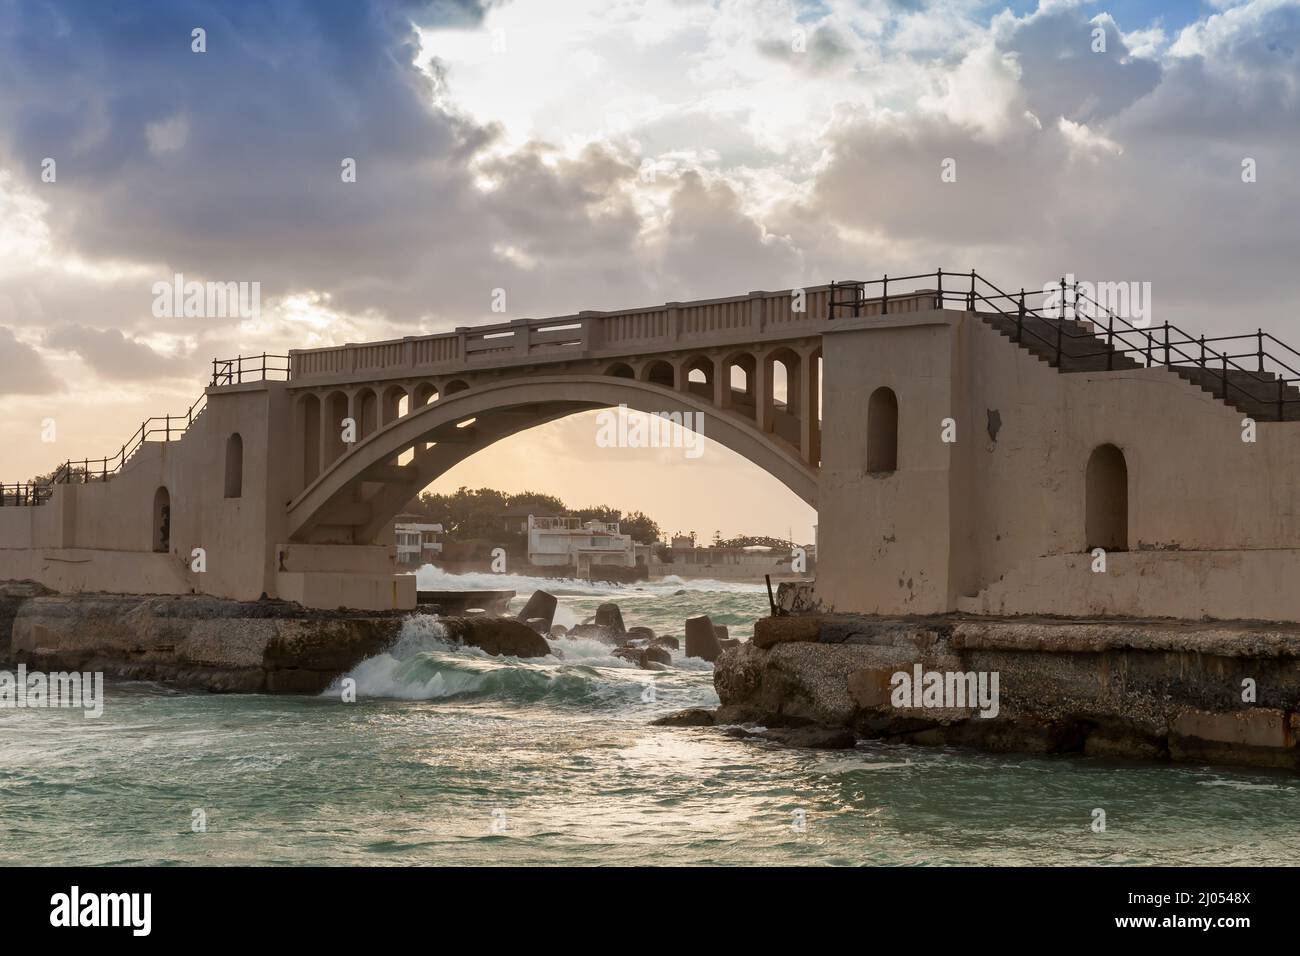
{"x": 451, "y": 756}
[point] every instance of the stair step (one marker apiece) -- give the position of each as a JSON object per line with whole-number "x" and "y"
{"x": 1083, "y": 350}
{"x": 1252, "y": 393}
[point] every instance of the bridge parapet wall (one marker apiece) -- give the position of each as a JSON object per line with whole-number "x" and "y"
{"x": 673, "y": 326}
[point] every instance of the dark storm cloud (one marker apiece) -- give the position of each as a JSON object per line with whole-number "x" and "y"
{"x": 226, "y": 164}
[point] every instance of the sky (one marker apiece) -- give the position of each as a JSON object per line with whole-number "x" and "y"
{"x": 503, "y": 145}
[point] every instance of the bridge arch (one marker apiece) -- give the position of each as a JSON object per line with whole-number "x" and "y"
{"x": 354, "y": 498}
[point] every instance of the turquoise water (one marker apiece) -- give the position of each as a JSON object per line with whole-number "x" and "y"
{"x": 451, "y": 756}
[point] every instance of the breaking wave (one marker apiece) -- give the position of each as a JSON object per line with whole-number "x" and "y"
{"x": 424, "y": 664}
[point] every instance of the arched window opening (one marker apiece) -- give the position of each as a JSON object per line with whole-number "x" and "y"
{"x": 699, "y": 377}
{"x": 660, "y": 373}
{"x": 1106, "y": 524}
{"x": 882, "y": 431}
{"x": 620, "y": 370}
{"x": 234, "y": 466}
{"x": 162, "y": 520}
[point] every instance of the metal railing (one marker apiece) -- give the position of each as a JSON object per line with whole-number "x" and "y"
{"x": 250, "y": 368}
{"x": 1071, "y": 316}
{"x": 1066, "y": 314}
{"x": 162, "y": 428}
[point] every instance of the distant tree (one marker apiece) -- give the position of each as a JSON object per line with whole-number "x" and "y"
{"x": 478, "y": 513}
{"x": 750, "y": 541}
{"x": 641, "y": 527}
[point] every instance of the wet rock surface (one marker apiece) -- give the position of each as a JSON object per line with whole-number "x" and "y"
{"x": 1154, "y": 690}
{"x": 193, "y": 640}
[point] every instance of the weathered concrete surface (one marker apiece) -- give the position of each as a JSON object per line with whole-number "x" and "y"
{"x": 214, "y": 643}
{"x": 1143, "y": 689}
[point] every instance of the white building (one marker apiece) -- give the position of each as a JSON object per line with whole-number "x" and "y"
{"x": 571, "y": 541}
{"x": 417, "y": 543}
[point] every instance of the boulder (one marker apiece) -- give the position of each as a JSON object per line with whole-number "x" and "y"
{"x": 720, "y": 630}
{"x": 729, "y": 643}
{"x": 609, "y": 616}
{"x": 497, "y": 635}
{"x": 539, "y": 624}
{"x": 656, "y": 655}
{"x": 558, "y": 630}
{"x": 667, "y": 640}
{"x": 770, "y": 631}
{"x": 815, "y": 737}
{"x": 641, "y": 634}
{"x": 701, "y": 639}
{"x": 691, "y": 717}
{"x": 595, "y": 632}
{"x": 540, "y": 605}
{"x": 644, "y": 657}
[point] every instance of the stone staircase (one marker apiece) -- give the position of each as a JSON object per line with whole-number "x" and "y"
{"x": 1082, "y": 350}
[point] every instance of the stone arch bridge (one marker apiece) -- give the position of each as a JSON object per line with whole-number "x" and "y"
{"x": 842, "y": 392}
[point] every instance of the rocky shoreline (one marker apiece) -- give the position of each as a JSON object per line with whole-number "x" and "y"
{"x": 1213, "y": 692}
{"x": 280, "y": 647}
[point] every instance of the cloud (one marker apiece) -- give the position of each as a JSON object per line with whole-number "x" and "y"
{"x": 22, "y": 370}
{"x": 112, "y": 354}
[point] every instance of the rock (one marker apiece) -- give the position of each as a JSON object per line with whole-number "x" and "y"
{"x": 593, "y": 632}
{"x": 691, "y": 717}
{"x": 701, "y": 639}
{"x": 667, "y": 640}
{"x": 539, "y": 624}
{"x": 656, "y": 655}
{"x": 497, "y": 635}
{"x": 609, "y": 616}
{"x": 644, "y": 657}
{"x": 540, "y": 605}
{"x": 558, "y": 630}
{"x": 194, "y": 640}
{"x": 769, "y": 631}
{"x": 628, "y": 654}
{"x": 641, "y": 633}
{"x": 729, "y": 643}
{"x": 720, "y": 631}
{"x": 679, "y": 593}
{"x": 815, "y": 737}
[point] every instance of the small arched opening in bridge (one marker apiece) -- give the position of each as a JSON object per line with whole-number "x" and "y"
{"x": 309, "y": 416}
{"x": 882, "y": 432}
{"x": 454, "y": 386}
{"x": 620, "y": 370}
{"x": 699, "y": 377}
{"x": 336, "y": 413}
{"x": 425, "y": 393}
{"x": 235, "y": 466}
{"x": 393, "y": 405}
{"x": 659, "y": 373}
{"x": 366, "y": 404}
{"x": 1106, "y": 522}
{"x": 738, "y": 372}
{"x": 162, "y": 520}
{"x": 783, "y": 368}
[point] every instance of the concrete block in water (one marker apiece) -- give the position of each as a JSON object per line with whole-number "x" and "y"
{"x": 701, "y": 638}
{"x": 540, "y": 605}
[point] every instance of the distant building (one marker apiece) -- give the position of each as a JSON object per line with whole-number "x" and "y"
{"x": 514, "y": 520}
{"x": 559, "y": 541}
{"x": 417, "y": 542}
